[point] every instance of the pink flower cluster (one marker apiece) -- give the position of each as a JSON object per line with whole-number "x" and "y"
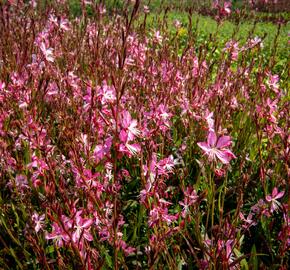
{"x": 110, "y": 154}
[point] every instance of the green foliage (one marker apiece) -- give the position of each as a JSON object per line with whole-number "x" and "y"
{"x": 207, "y": 26}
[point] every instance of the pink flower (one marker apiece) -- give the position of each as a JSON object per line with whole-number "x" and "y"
{"x": 227, "y": 7}
{"x": 248, "y": 222}
{"x": 219, "y": 172}
{"x": 224, "y": 8}
{"x": 146, "y": 9}
{"x": 273, "y": 83}
{"x": 233, "y": 48}
{"x": 216, "y": 147}
{"x": 82, "y": 227}
{"x": 47, "y": 52}
{"x": 58, "y": 235}
{"x": 273, "y": 199}
{"x": 101, "y": 150}
{"x": 159, "y": 214}
{"x": 64, "y": 24}
{"x": 190, "y": 198}
{"x": 157, "y": 37}
{"x": 21, "y": 183}
{"x": 129, "y": 126}
{"x": 165, "y": 165}
{"x": 38, "y": 221}
{"x": 210, "y": 121}
{"x": 2, "y": 85}
{"x": 127, "y": 135}
{"x": 130, "y": 149}
{"x": 107, "y": 94}
{"x": 177, "y": 24}
{"x": 127, "y": 249}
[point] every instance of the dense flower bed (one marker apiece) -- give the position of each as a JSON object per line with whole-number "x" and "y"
{"x": 125, "y": 147}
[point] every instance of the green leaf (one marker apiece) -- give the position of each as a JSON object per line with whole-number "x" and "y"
{"x": 108, "y": 259}
{"x": 253, "y": 259}
{"x": 243, "y": 262}
{"x": 49, "y": 249}
{"x": 16, "y": 215}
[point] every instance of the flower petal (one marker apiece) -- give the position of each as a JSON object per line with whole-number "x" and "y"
{"x": 224, "y": 141}
{"x": 88, "y": 236}
{"x": 211, "y": 138}
{"x": 280, "y": 195}
{"x": 223, "y": 156}
{"x": 274, "y": 192}
{"x": 204, "y": 146}
{"x": 86, "y": 223}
